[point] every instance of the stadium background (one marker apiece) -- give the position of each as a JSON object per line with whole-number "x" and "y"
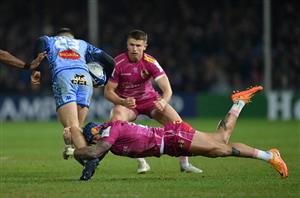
{"x": 207, "y": 48}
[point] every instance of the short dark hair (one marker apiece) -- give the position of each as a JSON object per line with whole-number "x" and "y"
{"x": 64, "y": 30}
{"x": 137, "y": 35}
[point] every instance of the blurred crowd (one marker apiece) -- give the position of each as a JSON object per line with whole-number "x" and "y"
{"x": 204, "y": 46}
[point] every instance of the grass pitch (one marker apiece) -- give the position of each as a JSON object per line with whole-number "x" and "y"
{"x": 31, "y": 165}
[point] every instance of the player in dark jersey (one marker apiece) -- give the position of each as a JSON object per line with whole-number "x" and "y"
{"x": 130, "y": 89}
{"x": 174, "y": 139}
{"x": 71, "y": 82}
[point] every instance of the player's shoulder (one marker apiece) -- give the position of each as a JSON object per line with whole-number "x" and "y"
{"x": 121, "y": 58}
{"x": 148, "y": 58}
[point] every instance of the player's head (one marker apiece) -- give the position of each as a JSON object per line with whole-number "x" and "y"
{"x": 91, "y": 132}
{"x": 136, "y": 44}
{"x": 65, "y": 32}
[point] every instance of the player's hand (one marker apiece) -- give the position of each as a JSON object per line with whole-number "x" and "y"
{"x": 160, "y": 104}
{"x": 37, "y": 61}
{"x": 35, "y": 78}
{"x": 129, "y": 102}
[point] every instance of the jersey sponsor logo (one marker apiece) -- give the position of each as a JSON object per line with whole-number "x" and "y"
{"x": 69, "y": 54}
{"x": 79, "y": 79}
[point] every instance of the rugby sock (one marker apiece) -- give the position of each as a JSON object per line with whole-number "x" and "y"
{"x": 237, "y": 108}
{"x": 263, "y": 155}
{"x": 184, "y": 161}
{"x": 141, "y": 160}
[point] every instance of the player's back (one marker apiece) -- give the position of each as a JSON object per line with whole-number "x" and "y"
{"x": 65, "y": 53}
{"x": 129, "y": 139}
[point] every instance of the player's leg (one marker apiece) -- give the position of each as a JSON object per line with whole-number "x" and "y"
{"x": 68, "y": 116}
{"x": 168, "y": 115}
{"x": 71, "y": 89}
{"x": 205, "y": 144}
{"x": 82, "y": 113}
{"x": 120, "y": 112}
{"x": 226, "y": 126}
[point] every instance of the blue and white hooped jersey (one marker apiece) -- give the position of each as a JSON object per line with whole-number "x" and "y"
{"x": 66, "y": 53}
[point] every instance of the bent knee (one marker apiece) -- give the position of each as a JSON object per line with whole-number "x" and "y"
{"x": 122, "y": 113}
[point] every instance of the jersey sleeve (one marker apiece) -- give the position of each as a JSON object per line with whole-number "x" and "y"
{"x": 154, "y": 67}
{"x": 40, "y": 45}
{"x": 110, "y": 135}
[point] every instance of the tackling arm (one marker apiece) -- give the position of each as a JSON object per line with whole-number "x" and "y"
{"x": 92, "y": 152}
{"x": 9, "y": 59}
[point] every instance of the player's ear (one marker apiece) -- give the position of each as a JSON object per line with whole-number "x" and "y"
{"x": 145, "y": 45}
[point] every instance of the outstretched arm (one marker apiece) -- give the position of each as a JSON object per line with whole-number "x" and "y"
{"x": 9, "y": 59}
{"x": 40, "y": 48}
{"x": 92, "y": 152}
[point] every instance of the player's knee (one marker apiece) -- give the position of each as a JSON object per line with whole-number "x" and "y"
{"x": 120, "y": 113}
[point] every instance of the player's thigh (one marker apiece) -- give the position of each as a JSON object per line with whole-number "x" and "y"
{"x": 68, "y": 115}
{"x": 120, "y": 112}
{"x": 169, "y": 114}
{"x": 206, "y": 144}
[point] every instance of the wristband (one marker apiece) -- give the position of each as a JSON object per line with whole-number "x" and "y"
{"x": 26, "y": 66}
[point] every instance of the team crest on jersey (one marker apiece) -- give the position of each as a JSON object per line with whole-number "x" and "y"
{"x": 69, "y": 54}
{"x": 135, "y": 70}
{"x": 145, "y": 74}
{"x": 79, "y": 79}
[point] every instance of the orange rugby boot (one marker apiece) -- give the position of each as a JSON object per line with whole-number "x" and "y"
{"x": 278, "y": 163}
{"x": 245, "y": 95}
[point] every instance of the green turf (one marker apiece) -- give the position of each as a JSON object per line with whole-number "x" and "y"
{"x": 32, "y": 166}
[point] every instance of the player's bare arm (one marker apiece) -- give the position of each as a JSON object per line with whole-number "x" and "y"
{"x": 164, "y": 84}
{"x": 111, "y": 95}
{"x": 9, "y": 59}
{"x": 37, "y": 61}
{"x": 92, "y": 152}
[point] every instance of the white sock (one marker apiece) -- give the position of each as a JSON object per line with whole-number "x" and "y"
{"x": 237, "y": 108}
{"x": 141, "y": 160}
{"x": 184, "y": 161}
{"x": 69, "y": 150}
{"x": 263, "y": 155}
